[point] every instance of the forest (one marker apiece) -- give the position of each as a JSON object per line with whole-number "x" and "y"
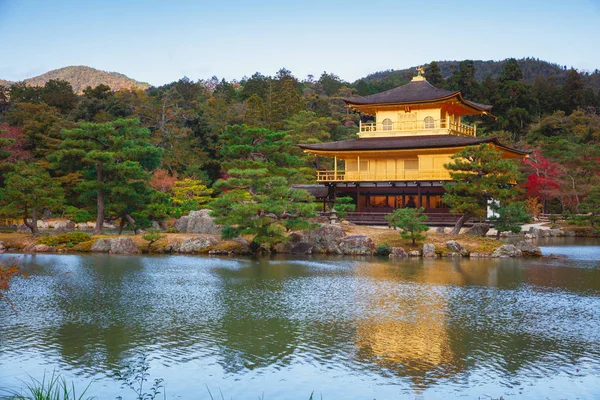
{"x": 135, "y": 156}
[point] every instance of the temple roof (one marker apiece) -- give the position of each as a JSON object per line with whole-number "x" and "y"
{"x": 407, "y": 143}
{"x": 417, "y": 91}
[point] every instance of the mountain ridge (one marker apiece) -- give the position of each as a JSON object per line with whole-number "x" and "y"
{"x": 81, "y": 76}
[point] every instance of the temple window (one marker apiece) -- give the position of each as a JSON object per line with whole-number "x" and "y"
{"x": 387, "y": 124}
{"x": 429, "y": 123}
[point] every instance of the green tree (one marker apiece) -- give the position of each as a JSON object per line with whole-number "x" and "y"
{"x": 190, "y": 194}
{"x": 479, "y": 175}
{"x": 410, "y": 222}
{"x": 59, "y": 94}
{"x": 573, "y": 89}
{"x": 590, "y": 208}
{"x": 433, "y": 74}
{"x": 27, "y": 192}
{"x": 253, "y": 202}
{"x": 113, "y": 158}
{"x": 509, "y": 217}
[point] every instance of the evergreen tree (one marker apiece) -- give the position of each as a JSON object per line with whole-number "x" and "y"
{"x": 433, "y": 74}
{"x": 27, "y": 192}
{"x": 572, "y": 92}
{"x": 111, "y": 157}
{"x": 479, "y": 175}
{"x": 410, "y": 221}
{"x": 253, "y": 202}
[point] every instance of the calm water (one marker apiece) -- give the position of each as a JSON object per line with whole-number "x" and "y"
{"x": 344, "y": 328}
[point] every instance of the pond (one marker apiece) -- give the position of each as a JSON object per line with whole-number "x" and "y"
{"x": 343, "y": 328}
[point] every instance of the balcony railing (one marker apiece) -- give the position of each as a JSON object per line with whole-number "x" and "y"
{"x": 371, "y": 128}
{"x": 403, "y": 175}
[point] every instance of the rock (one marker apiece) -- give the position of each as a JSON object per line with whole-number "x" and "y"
{"x": 42, "y": 224}
{"x": 570, "y": 233}
{"x": 556, "y": 232}
{"x": 172, "y": 247}
{"x": 326, "y": 239}
{"x": 457, "y": 248}
{"x": 218, "y": 252}
{"x": 245, "y": 246}
{"x": 528, "y": 249}
{"x": 357, "y": 245}
{"x": 299, "y": 243}
{"x": 398, "y": 252}
{"x": 528, "y": 236}
{"x": 440, "y": 230}
{"x": 428, "y": 250}
{"x": 2, "y": 246}
{"x": 64, "y": 226}
{"x": 480, "y": 255}
{"x": 22, "y": 228}
{"x": 197, "y": 243}
{"x": 82, "y": 226}
{"x": 198, "y": 222}
{"x": 507, "y": 250}
{"x": 301, "y": 248}
{"x": 123, "y": 245}
{"x": 42, "y": 248}
{"x": 453, "y": 255}
{"x": 156, "y": 225}
{"x": 281, "y": 247}
{"x": 414, "y": 253}
{"x": 108, "y": 225}
{"x": 478, "y": 229}
{"x": 539, "y": 233}
{"x": 101, "y": 246}
{"x": 557, "y": 256}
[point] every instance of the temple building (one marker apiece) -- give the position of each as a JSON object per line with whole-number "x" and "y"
{"x": 398, "y": 159}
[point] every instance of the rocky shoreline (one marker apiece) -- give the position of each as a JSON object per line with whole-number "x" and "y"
{"x": 197, "y": 234}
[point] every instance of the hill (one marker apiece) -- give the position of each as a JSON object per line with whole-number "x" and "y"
{"x": 531, "y": 68}
{"x": 81, "y": 76}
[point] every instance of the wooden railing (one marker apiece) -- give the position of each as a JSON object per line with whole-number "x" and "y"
{"x": 402, "y": 175}
{"x": 375, "y": 218}
{"x": 410, "y": 126}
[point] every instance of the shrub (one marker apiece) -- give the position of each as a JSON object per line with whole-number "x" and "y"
{"x": 383, "y": 250}
{"x": 78, "y": 214}
{"x": 68, "y": 239}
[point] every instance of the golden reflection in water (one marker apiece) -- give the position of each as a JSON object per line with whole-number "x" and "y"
{"x": 405, "y": 330}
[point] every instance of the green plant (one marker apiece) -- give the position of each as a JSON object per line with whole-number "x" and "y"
{"x": 410, "y": 223}
{"x": 344, "y": 205}
{"x": 69, "y": 239}
{"x": 135, "y": 375}
{"x": 152, "y": 236}
{"x": 383, "y": 250}
{"x": 553, "y": 218}
{"x": 54, "y": 388}
{"x": 172, "y": 229}
{"x": 78, "y": 214}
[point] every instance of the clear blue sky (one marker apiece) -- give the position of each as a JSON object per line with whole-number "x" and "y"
{"x": 162, "y": 41}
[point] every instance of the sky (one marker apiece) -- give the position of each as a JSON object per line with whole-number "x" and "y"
{"x": 162, "y": 41}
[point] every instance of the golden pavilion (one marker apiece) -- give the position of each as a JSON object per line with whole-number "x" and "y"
{"x": 398, "y": 159}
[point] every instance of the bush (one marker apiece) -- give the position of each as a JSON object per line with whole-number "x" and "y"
{"x": 383, "y": 250}
{"x": 68, "y": 239}
{"x": 344, "y": 205}
{"x": 78, "y": 215}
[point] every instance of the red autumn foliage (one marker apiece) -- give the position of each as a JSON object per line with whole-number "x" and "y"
{"x": 162, "y": 181}
{"x": 544, "y": 180}
{"x": 17, "y": 147}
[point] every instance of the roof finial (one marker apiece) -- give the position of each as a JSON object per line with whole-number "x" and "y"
{"x": 420, "y": 72}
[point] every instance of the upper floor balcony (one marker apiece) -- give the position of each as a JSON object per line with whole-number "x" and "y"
{"x": 428, "y": 126}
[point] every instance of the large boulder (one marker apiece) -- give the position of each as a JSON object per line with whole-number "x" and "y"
{"x": 414, "y": 253}
{"x": 326, "y": 239}
{"x": 299, "y": 243}
{"x": 101, "y": 246}
{"x": 357, "y": 245}
{"x": 455, "y": 247}
{"x": 480, "y": 255}
{"x": 39, "y": 248}
{"x": 428, "y": 250}
{"x": 42, "y": 224}
{"x": 123, "y": 245}
{"x": 64, "y": 226}
{"x": 505, "y": 251}
{"x": 197, "y": 222}
{"x": 22, "y": 228}
{"x": 2, "y": 246}
{"x": 197, "y": 243}
{"x": 398, "y": 252}
{"x": 528, "y": 249}
{"x": 479, "y": 229}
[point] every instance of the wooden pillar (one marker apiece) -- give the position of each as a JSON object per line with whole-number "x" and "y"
{"x": 335, "y": 168}
{"x": 418, "y": 195}
{"x": 358, "y": 165}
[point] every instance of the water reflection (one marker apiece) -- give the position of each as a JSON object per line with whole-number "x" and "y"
{"x": 346, "y": 327}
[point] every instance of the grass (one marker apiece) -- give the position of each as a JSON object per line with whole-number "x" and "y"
{"x": 54, "y": 387}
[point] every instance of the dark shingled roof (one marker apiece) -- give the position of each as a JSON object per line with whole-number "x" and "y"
{"x": 405, "y": 143}
{"x": 413, "y": 92}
